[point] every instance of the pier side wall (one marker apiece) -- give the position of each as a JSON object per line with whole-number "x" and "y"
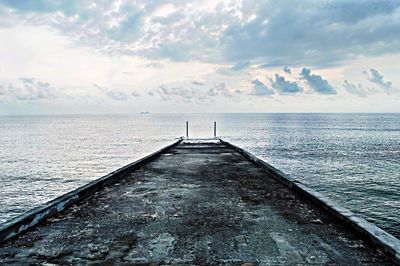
{"x": 379, "y": 238}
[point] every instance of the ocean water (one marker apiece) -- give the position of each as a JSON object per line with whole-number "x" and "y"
{"x": 352, "y": 158}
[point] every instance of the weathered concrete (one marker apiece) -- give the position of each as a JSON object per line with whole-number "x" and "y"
{"x": 195, "y": 204}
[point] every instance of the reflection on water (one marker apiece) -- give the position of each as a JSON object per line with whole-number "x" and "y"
{"x": 352, "y": 158}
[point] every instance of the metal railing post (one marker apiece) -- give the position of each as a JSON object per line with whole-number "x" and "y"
{"x": 215, "y": 129}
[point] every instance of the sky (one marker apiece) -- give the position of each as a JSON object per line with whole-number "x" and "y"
{"x": 129, "y": 56}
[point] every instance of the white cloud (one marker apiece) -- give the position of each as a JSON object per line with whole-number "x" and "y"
{"x": 113, "y": 94}
{"x": 356, "y": 89}
{"x": 183, "y": 91}
{"x": 28, "y": 89}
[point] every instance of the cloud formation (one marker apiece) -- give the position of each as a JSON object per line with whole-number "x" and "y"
{"x": 117, "y": 95}
{"x": 316, "y": 82}
{"x": 219, "y": 89}
{"x": 375, "y": 77}
{"x": 274, "y": 32}
{"x": 356, "y": 89}
{"x": 29, "y": 89}
{"x": 317, "y": 33}
{"x": 198, "y": 83}
{"x": 187, "y": 93}
{"x": 287, "y": 70}
{"x": 113, "y": 94}
{"x": 2, "y": 90}
{"x": 168, "y": 93}
{"x": 260, "y": 89}
{"x": 200, "y": 51}
{"x": 240, "y": 66}
{"x": 284, "y": 86}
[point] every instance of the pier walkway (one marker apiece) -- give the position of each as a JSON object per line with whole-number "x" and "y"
{"x": 195, "y": 204}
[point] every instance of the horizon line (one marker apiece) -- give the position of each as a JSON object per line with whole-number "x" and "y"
{"x": 187, "y": 113}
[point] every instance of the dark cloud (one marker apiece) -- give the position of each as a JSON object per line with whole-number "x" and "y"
{"x": 260, "y": 89}
{"x": 351, "y": 12}
{"x": 356, "y": 89}
{"x": 317, "y": 83}
{"x": 113, "y": 94}
{"x": 197, "y": 83}
{"x": 42, "y": 6}
{"x": 283, "y": 86}
{"x": 375, "y": 77}
{"x": 315, "y": 33}
{"x": 287, "y": 70}
{"x": 129, "y": 28}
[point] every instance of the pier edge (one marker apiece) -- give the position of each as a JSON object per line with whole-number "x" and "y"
{"x": 35, "y": 216}
{"x": 382, "y": 240}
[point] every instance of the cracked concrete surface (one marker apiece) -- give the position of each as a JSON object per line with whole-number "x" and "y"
{"x": 197, "y": 204}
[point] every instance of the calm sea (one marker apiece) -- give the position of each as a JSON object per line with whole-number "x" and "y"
{"x": 352, "y": 158}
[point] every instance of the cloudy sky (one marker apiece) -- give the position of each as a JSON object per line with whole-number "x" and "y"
{"x": 128, "y": 56}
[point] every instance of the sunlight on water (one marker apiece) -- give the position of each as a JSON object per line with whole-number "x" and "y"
{"x": 352, "y": 158}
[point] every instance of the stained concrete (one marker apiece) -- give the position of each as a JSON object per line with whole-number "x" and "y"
{"x": 197, "y": 204}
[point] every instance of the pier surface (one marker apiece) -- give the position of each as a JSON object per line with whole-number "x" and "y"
{"x": 196, "y": 204}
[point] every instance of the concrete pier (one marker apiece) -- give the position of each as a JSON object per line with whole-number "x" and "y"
{"x": 198, "y": 203}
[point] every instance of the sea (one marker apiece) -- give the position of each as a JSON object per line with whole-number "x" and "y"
{"x": 354, "y": 159}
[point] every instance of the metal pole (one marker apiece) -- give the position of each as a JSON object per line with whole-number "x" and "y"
{"x": 215, "y": 129}
{"x": 187, "y": 129}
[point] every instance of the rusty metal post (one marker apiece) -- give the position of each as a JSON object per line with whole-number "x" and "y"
{"x": 215, "y": 129}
